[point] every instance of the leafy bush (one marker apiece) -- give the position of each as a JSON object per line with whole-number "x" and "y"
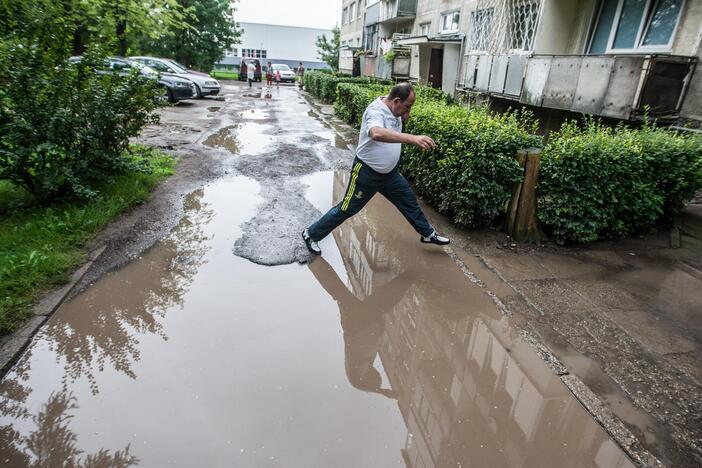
{"x": 323, "y": 85}
{"x": 598, "y": 182}
{"x": 66, "y": 127}
{"x": 470, "y": 174}
{"x": 352, "y": 99}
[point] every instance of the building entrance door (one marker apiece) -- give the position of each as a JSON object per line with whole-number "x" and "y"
{"x": 436, "y": 65}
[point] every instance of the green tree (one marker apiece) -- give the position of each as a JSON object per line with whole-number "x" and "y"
{"x": 122, "y": 25}
{"x": 209, "y": 32}
{"x": 328, "y": 50}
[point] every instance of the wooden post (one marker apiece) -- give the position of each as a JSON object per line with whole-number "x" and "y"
{"x": 526, "y": 226}
{"x": 516, "y": 189}
{"x": 522, "y": 223}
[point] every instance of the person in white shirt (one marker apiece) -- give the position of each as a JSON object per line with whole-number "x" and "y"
{"x": 250, "y": 72}
{"x": 375, "y": 169}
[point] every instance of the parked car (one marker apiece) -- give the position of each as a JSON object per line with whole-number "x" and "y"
{"x": 244, "y": 67}
{"x": 286, "y": 74}
{"x": 174, "y": 87}
{"x": 205, "y": 84}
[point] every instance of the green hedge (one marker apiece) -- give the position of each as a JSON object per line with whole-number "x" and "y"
{"x": 603, "y": 183}
{"x": 323, "y": 85}
{"x": 352, "y": 99}
{"x": 469, "y": 175}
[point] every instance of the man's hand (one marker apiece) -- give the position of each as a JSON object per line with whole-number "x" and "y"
{"x": 424, "y": 142}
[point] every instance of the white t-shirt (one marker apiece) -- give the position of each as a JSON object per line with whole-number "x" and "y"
{"x": 381, "y": 157}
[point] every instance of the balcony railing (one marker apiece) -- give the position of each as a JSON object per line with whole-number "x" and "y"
{"x": 397, "y": 10}
{"x": 620, "y": 86}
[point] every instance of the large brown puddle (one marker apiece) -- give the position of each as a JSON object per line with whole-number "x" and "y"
{"x": 381, "y": 353}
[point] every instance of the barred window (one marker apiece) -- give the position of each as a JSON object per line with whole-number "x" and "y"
{"x": 481, "y": 29}
{"x": 523, "y": 26}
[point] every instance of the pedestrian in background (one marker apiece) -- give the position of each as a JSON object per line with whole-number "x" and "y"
{"x": 269, "y": 74}
{"x": 375, "y": 169}
{"x": 251, "y": 72}
{"x": 277, "y": 78}
{"x": 301, "y": 74}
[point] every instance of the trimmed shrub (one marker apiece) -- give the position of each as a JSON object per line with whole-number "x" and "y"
{"x": 469, "y": 175}
{"x": 352, "y": 99}
{"x": 598, "y": 182}
{"x": 323, "y": 85}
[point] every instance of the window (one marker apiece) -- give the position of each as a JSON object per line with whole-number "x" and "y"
{"x": 371, "y": 37}
{"x": 480, "y": 29}
{"x": 344, "y": 15}
{"x": 352, "y": 11}
{"x": 424, "y": 29}
{"x": 360, "y": 10}
{"x": 633, "y": 25}
{"x": 449, "y": 21}
{"x": 523, "y": 26}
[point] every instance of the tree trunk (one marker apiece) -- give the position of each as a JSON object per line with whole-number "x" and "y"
{"x": 121, "y": 31}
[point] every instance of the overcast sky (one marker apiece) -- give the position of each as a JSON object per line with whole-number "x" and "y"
{"x": 323, "y": 14}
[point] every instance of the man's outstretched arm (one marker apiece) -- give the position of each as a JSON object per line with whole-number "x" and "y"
{"x": 385, "y": 135}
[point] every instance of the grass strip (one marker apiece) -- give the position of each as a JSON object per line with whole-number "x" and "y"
{"x": 41, "y": 245}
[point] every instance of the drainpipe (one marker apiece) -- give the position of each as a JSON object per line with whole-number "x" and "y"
{"x": 460, "y": 64}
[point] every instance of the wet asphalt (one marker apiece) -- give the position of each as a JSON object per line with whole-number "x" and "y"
{"x": 226, "y": 344}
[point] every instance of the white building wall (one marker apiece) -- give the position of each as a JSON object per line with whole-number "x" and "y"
{"x": 282, "y": 42}
{"x": 450, "y": 70}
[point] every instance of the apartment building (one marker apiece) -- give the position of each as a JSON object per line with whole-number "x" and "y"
{"x": 613, "y": 58}
{"x": 352, "y": 13}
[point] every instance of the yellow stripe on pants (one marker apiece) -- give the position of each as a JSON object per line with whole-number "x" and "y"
{"x": 352, "y": 187}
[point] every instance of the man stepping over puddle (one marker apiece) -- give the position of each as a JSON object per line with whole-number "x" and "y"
{"x": 374, "y": 169}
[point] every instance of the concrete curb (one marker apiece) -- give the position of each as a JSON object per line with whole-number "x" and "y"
{"x": 13, "y": 345}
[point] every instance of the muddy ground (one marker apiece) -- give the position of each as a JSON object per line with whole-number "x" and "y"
{"x": 474, "y": 352}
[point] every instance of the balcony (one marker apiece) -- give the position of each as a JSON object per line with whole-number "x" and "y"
{"x": 372, "y": 14}
{"x": 617, "y": 86}
{"x": 394, "y": 11}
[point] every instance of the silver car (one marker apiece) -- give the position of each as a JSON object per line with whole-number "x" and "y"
{"x": 205, "y": 84}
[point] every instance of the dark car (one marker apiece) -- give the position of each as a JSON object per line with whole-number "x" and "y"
{"x": 174, "y": 87}
{"x": 244, "y": 69}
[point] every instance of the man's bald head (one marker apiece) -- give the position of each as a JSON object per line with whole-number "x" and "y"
{"x": 401, "y": 91}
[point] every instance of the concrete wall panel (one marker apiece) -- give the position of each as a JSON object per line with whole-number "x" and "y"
{"x": 515, "y": 75}
{"x": 562, "y": 82}
{"x": 482, "y": 81}
{"x": 622, "y": 88}
{"x": 498, "y": 73}
{"x": 594, "y": 78}
{"x": 535, "y": 80}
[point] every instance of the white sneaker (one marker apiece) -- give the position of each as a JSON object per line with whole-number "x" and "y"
{"x": 434, "y": 238}
{"x": 312, "y": 246}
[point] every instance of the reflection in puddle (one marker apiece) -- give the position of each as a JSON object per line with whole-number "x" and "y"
{"x": 469, "y": 392}
{"x": 243, "y": 138}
